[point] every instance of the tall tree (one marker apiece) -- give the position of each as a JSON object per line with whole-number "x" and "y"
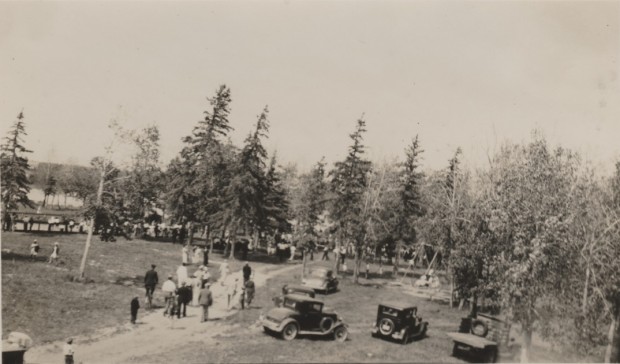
{"x": 197, "y": 178}
{"x": 276, "y": 204}
{"x": 243, "y": 204}
{"x": 15, "y": 167}
{"x": 348, "y": 183}
{"x": 410, "y": 206}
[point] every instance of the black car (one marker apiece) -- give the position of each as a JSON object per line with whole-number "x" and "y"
{"x": 293, "y": 289}
{"x": 301, "y": 315}
{"x": 398, "y": 320}
{"x": 321, "y": 280}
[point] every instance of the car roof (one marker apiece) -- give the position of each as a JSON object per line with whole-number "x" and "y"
{"x": 300, "y": 288}
{"x": 399, "y": 305}
{"x": 300, "y": 298}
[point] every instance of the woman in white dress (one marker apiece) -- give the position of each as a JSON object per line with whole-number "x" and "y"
{"x": 224, "y": 270}
{"x": 198, "y": 253}
{"x": 185, "y": 254}
{"x": 55, "y": 254}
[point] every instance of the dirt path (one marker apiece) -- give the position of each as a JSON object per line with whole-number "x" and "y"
{"x": 153, "y": 334}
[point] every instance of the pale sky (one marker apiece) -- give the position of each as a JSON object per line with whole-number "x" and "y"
{"x": 468, "y": 74}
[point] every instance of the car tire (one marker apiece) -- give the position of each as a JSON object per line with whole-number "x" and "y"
{"x": 479, "y": 328}
{"x": 386, "y": 326}
{"x": 340, "y": 334}
{"x": 290, "y": 331}
{"x": 326, "y": 324}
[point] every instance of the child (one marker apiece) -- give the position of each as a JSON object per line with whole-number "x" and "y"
{"x": 68, "y": 351}
{"x": 34, "y": 250}
{"x": 55, "y": 253}
{"x": 135, "y": 306}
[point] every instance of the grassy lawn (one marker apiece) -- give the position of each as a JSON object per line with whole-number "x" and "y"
{"x": 42, "y": 301}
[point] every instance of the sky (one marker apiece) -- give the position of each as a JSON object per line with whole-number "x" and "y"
{"x": 457, "y": 73}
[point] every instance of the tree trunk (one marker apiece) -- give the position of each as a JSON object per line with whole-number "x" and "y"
{"x": 337, "y": 258}
{"x": 584, "y": 302}
{"x": 190, "y": 233}
{"x": 91, "y": 227}
{"x": 356, "y": 268}
{"x": 527, "y": 345}
{"x": 397, "y": 259}
{"x": 303, "y": 266}
{"x": 451, "y": 290}
{"x": 612, "y": 353}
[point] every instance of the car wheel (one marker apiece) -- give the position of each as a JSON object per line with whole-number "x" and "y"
{"x": 340, "y": 334}
{"x": 326, "y": 324}
{"x": 405, "y": 338}
{"x": 290, "y": 331}
{"x": 386, "y": 326}
{"x": 479, "y": 328}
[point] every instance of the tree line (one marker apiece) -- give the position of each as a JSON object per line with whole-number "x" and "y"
{"x": 535, "y": 234}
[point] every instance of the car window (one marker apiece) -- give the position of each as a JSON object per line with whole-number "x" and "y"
{"x": 316, "y": 307}
{"x": 289, "y": 304}
{"x": 390, "y": 311}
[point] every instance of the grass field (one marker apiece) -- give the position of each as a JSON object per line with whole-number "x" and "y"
{"x": 42, "y": 301}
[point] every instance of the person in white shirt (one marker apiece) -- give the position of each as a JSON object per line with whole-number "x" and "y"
{"x": 67, "y": 350}
{"x": 232, "y": 288}
{"x": 168, "y": 288}
{"x": 182, "y": 275}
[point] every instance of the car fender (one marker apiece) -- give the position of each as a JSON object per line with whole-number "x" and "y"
{"x": 286, "y": 322}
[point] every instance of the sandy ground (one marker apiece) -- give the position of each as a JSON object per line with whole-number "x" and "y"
{"x": 153, "y": 333}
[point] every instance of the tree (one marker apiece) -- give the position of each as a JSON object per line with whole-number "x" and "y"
{"x": 197, "y": 178}
{"x": 243, "y": 204}
{"x": 348, "y": 183}
{"x": 530, "y": 219}
{"x": 15, "y": 167}
{"x": 276, "y": 205}
{"x": 410, "y": 207}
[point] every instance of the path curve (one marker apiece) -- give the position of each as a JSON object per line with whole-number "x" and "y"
{"x": 154, "y": 332}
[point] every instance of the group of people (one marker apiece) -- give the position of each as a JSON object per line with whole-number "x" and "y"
{"x": 35, "y": 248}
{"x": 195, "y": 290}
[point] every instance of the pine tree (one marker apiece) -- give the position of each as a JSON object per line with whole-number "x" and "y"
{"x": 197, "y": 178}
{"x": 348, "y": 183}
{"x": 276, "y": 205}
{"x": 243, "y": 203}
{"x": 15, "y": 167}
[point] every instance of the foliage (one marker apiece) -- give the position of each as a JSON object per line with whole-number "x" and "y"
{"x": 14, "y": 167}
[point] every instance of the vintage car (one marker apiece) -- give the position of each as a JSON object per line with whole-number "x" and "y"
{"x": 302, "y": 315}
{"x": 399, "y": 320}
{"x": 293, "y": 289}
{"x": 321, "y": 280}
{"x": 484, "y": 339}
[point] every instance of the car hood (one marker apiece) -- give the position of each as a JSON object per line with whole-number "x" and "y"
{"x": 280, "y": 313}
{"x": 314, "y": 282}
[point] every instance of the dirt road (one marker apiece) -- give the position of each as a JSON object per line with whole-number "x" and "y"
{"x": 153, "y": 334}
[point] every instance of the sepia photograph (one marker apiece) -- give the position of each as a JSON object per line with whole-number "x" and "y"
{"x": 310, "y": 181}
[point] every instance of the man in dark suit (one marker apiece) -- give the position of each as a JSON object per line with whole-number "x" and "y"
{"x": 150, "y": 282}
{"x": 183, "y": 299}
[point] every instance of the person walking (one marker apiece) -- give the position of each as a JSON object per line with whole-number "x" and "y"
{"x": 325, "y": 253}
{"x": 205, "y": 299}
{"x": 135, "y": 306}
{"x": 224, "y": 270}
{"x": 292, "y": 249}
{"x": 150, "y": 282}
{"x": 185, "y": 255}
{"x": 249, "y": 292}
{"x": 232, "y": 291}
{"x": 182, "y": 274}
{"x": 55, "y": 254}
{"x": 196, "y": 287}
{"x": 184, "y": 297}
{"x": 169, "y": 288}
{"x": 247, "y": 272}
{"x": 68, "y": 351}
{"x": 34, "y": 250}
{"x": 198, "y": 253}
{"x": 205, "y": 256}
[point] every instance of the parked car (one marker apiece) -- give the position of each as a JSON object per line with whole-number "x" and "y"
{"x": 484, "y": 339}
{"x": 302, "y": 315}
{"x": 293, "y": 289}
{"x": 321, "y": 279}
{"x": 399, "y": 320}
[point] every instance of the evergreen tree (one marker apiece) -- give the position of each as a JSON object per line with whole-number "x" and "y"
{"x": 197, "y": 178}
{"x": 243, "y": 203}
{"x": 276, "y": 205}
{"x": 348, "y": 183}
{"x": 15, "y": 167}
